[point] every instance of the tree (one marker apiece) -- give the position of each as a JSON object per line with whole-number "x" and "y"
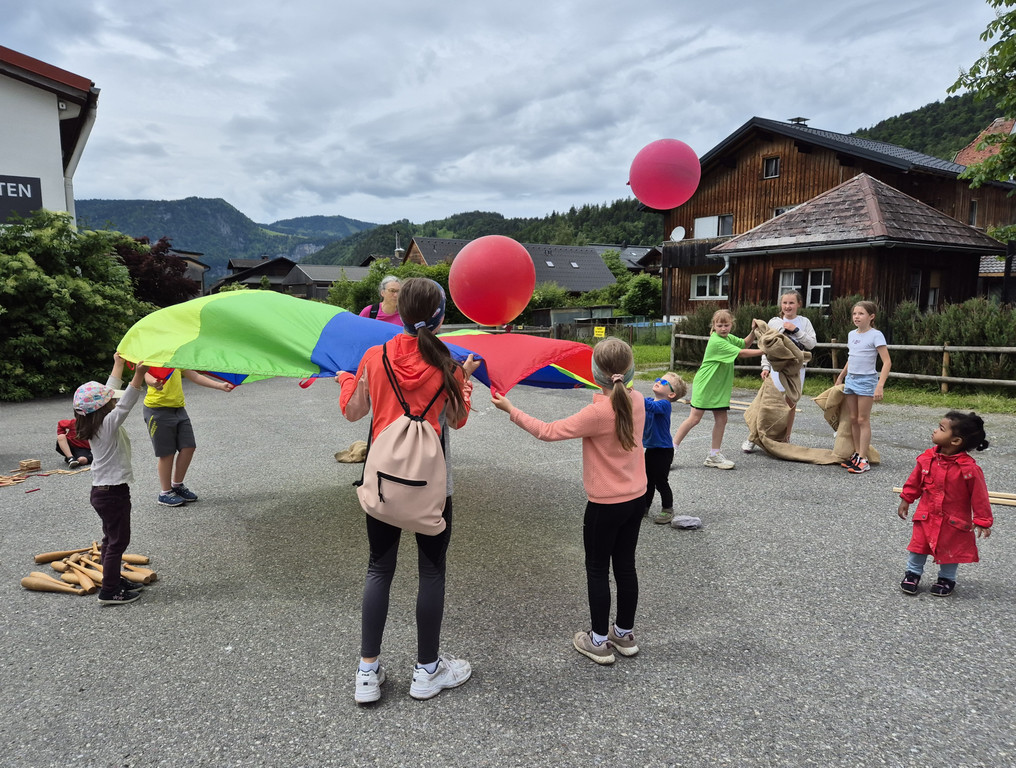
{"x": 159, "y": 277}
{"x": 993, "y": 78}
{"x": 644, "y": 296}
{"x": 66, "y": 300}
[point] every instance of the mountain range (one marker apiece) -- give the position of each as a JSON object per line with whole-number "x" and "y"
{"x": 217, "y": 230}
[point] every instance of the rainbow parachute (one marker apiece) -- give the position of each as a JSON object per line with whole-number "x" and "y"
{"x": 245, "y": 336}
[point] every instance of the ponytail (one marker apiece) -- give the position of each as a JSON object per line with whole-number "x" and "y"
{"x": 435, "y": 353}
{"x": 624, "y": 422}
{"x": 421, "y": 307}
{"x": 613, "y": 366}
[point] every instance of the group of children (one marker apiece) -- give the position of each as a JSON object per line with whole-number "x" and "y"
{"x": 627, "y": 454}
{"x": 953, "y": 512}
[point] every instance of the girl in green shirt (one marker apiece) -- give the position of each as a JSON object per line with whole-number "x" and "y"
{"x": 712, "y": 385}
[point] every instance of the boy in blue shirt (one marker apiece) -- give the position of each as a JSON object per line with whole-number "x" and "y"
{"x": 658, "y": 443}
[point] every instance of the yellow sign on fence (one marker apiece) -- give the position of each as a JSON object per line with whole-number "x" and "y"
{"x": 599, "y": 332}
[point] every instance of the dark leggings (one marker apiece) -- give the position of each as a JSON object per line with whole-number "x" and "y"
{"x": 610, "y": 533}
{"x": 658, "y": 461}
{"x": 384, "y": 553}
{"x": 113, "y": 504}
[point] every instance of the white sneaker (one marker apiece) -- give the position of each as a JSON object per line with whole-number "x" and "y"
{"x": 747, "y": 446}
{"x": 368, "y": 685}
{"x": 450, "y": 673}
{"x": 718, "y": 461}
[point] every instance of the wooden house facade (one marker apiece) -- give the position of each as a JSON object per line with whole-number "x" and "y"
{"x": 861, "y": 237}
{"x": 767, "y": 168}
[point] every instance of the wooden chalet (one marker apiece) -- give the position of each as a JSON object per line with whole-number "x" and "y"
{"x": 767, "y": 168}
{"x": 196, "y": 269}
{"x": 861, "y": 237}
{"x": 274, "y": 269}
{"x": 997, "y": 278}
{"x": 312, "y": 281}
{"x": 577, "y": 269}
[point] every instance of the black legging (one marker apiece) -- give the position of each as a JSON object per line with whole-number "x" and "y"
{"x": 610, "y": 533}
{"x": 658, "y": 461}
{"x": 384, "y": 552}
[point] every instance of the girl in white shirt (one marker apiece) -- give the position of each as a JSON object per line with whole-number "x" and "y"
{"x": 862, "y": 385}
{"x": 799, "y": 330}
{"x": 100, "y": 411}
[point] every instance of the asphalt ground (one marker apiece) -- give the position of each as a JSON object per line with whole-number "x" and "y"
{"x": 775, "y": 636}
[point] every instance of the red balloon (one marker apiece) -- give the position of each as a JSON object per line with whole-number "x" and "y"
{"x": 492, "y": 279}
{"x": 665, "y": 174}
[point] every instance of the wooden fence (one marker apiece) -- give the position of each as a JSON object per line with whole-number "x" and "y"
{"x": 944, "y": 380}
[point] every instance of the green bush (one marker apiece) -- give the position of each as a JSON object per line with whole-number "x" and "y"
{"x": 66, "y": 300}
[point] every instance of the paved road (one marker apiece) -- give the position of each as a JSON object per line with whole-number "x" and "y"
{"x": 776, "y": 636}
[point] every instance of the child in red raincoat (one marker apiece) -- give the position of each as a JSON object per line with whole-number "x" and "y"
{"x": 954, "y": 510}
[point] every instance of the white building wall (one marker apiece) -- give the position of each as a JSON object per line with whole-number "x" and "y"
{"x": 30, "y": 139}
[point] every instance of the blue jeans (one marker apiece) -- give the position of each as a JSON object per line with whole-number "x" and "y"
{"x": 915, "y": 564}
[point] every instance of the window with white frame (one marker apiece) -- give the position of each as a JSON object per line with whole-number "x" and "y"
{"x": 709, "y": 286}
{"x": 820, "y": 288}
{"x": 770, "y": 167}
{"x": 790, "y": 280}
{"x": 815, "y": 285}
{"x": 713, "y": 226}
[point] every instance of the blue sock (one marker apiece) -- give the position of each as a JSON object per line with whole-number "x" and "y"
{"x": 598, "y": 639}
{"x": 430, "y": 669}
{"x": 372, "y": 667}
{"x": 621, "y": 632}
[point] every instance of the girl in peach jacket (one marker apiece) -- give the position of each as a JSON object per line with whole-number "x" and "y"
{"x": 614, "y": 476}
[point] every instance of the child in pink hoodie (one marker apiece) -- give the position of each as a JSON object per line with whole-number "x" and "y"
{"x": 614, "y": 476}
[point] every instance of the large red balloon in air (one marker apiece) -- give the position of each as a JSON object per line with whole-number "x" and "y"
{"x": 492, "y": 279}
{"x": 665, "y": 174}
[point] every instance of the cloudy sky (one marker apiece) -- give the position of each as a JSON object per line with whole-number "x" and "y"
{"x": 393, "y": 109}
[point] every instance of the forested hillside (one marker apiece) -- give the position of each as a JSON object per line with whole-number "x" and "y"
{"x": 320, "y": 227}
{"x": 621, "y": 222}
{"x": 940, "y": 129}
{"x": 212, "y": 227}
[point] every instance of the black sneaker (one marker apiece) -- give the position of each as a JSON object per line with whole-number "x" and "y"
{"x": 129, "y": 586}
{"x": 120, "y": 598}
{"x": 910, "y": 582}
{"x": 851, "y": 462}
{"x": 943, "y": 587}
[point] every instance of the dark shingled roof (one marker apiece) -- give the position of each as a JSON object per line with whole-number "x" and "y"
{"x": 876, "y": 151}
{"x": 860, "y": 212}
{"x": 575, "y": 268}
{"x": 324, "y": 273}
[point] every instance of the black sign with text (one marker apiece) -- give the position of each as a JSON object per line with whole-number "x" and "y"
{"x": 19, "y": 194}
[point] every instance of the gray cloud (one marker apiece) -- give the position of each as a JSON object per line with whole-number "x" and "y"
{"x": 395, "y": 110}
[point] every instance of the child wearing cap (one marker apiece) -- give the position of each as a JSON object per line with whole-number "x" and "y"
{"x": 99, "y": 418}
